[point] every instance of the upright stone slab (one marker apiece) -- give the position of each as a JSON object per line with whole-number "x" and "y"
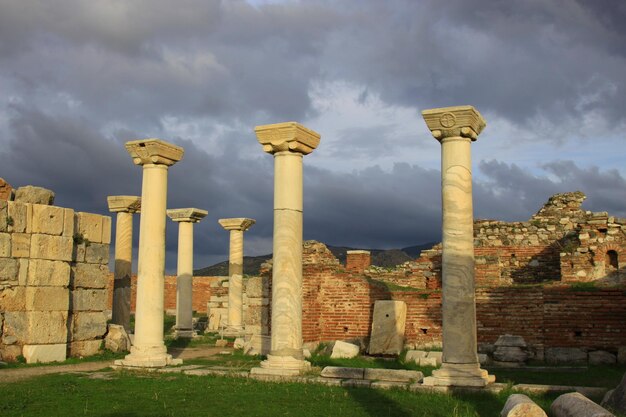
{"x": 236, "y": 226}
{"x": 156, "y": 156}
{"x": 124, "y": 206}
{"x": 184, "y": 281}
{"x": 288, "y": 142}
{"x": 388, "y": 323}
{"x": 455, "y": 128}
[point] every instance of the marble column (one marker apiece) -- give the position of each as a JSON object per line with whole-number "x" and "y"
{"x": 288, "y": 142}
{"x": 156, "y": 156}
{"x": 236, "y": 226}
{"x": 455, "y": 128}
{"x": 124, "y": 206}
{"x": 184, "y": 280}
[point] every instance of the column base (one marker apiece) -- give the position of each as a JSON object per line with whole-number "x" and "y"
{"x": 233, "y": 332}
{"x": 184, "y": 333}
{"x": 147, "y": 357}
{"x": 282, "y": 366}
{"x": 459, "y": 375}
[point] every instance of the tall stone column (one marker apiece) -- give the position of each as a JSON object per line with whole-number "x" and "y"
{"x": 236, "y": 226}
{"x": 455, "y": 128}
{"x": 156, "y": 156}
{"x": 288, "y": 142}
{"x": 184, "y": 281}
{"x": 124, "y": 206}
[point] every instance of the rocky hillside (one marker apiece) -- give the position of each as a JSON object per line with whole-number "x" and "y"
{"x": 380, "y": 257}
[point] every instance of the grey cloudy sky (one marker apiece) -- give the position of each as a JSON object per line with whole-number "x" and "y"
{"x": 78, "y": 79}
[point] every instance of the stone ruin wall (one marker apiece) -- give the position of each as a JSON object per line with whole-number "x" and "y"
{"x": 53, "y": 277}
{"x": 524, "y": 274}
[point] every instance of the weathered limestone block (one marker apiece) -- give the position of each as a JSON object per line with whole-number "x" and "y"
{"x": 55, "y": 248}
{"x": 519, "y": 405}
{"x": 4, "y": 227}
{"x": 89, "y": 276}
{"x": 20, "y": 245}
{"x": 20, "y": 215}
{"x": 344, "y": 350}
{"x": 42, "y": 272}
{"x": 82, "y": 348}
{"x": 621, "y": 355}
{"x": 5, "y": 245}
{"x": 10, "y": 353}
{"x": 47, "y": 220}
{"x": 575, "y": 404}
{"x": 342, "y": 372}
{"x": 388, "y": 324}
{"x": 89, "y": 299}
{"x": 45, "y": 353}
{"x": 106, "y": 230}
{"x": 616, "y": 398}
{"x": 97, "y": 253}
{"x": 34, "y": 195}
{"x": 47, "y": 299}
{"x": 37, "y": 327}
{"x": 415, "y": 355}
{"x": 89, "y": 226}
{"x": 13, "y": 299}
{"x": 88, "y": 325}
{"x": 6, "y": 191}
{"x": 513, "y": 354}
{"x": 565, "y": 355}
{"x": 601, "y": 357}
{"x": 254, "y": 287}
{"x": 68, "y": 222}
{"x": 401, "y": 375}
{"x": 9, "y": 269}
{"x": 510, "y": 341}
{"x": 117, "y": 340}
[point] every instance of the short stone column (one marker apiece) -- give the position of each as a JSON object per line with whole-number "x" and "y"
{"x": 124, "y": 206}
{"x": 236, "y": 226}
{"x": 184, "y": 280}
{"x": 156, "y": 156}
{"x": 288, "y": 142}
{"x": 455, "y": 128}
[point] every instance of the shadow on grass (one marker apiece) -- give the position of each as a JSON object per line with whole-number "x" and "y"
{"x": 376, "y": 404}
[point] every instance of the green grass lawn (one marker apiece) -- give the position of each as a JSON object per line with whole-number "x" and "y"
{"x": 134, "y": 395}
{"x": 608, "y": 376}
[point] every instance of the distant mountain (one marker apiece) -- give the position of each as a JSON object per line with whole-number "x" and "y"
{"x": 387, "y": 258}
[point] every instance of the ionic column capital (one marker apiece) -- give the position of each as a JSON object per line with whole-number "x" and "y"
{"x": 154, "y": 151}
{"x": 124, "y": 203}
{"x": 289, "y": 136}
{"x": 457, "y": 121}
{"x": 187, "y": 215}
{"x": 238, "y": 223}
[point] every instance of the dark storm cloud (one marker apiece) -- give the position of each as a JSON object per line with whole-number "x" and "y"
{"x": 81, "y": 78}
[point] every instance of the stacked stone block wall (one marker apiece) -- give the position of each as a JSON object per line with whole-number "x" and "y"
{"x": 53, "y": 276}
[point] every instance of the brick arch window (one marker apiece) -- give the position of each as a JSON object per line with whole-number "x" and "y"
{"x": 611, "y": 262}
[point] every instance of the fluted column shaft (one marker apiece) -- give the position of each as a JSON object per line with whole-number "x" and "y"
{"x": 123, "y": 269}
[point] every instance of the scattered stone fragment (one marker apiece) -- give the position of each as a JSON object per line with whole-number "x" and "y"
{"x": 575, "y": 404}
{"x": 344, "y": 350}
{"x": 616, "y": 398}
{"x": 601, "y": 357}
{"x": 519, "y": 405}
{"x": 117, "y": 339}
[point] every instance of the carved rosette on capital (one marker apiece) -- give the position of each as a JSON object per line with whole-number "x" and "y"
{"x": 288, "y": 142}
{"x": 459, "y": 121}
{"x": 455, "y": 128}
{"x": 124, "y": 206}
{"x": 236, "y": 226}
